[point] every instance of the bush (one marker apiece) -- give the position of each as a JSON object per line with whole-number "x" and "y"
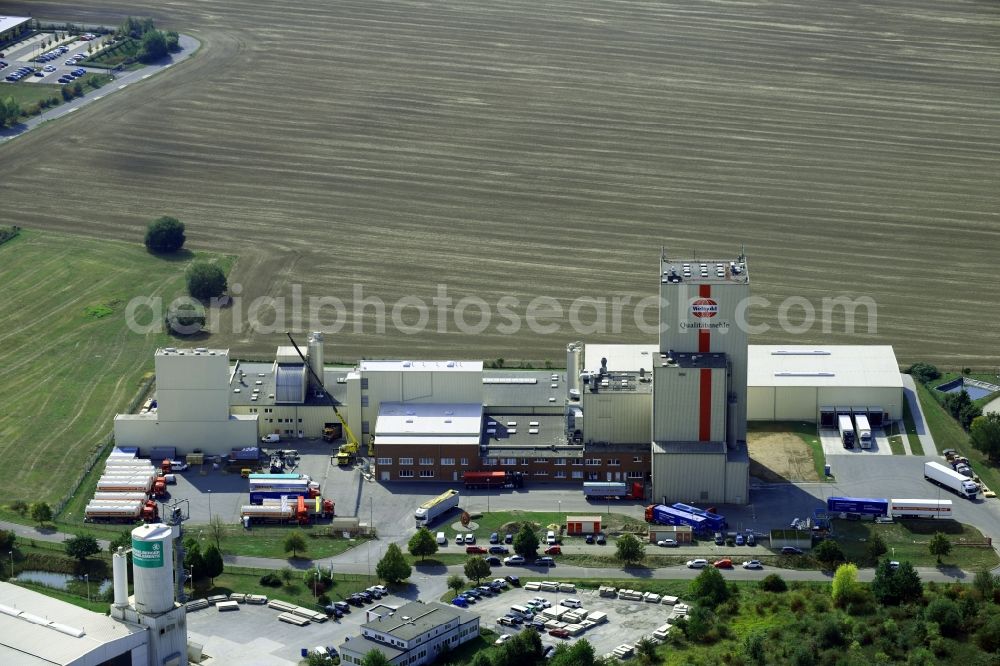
{"x": 945, "y": 613}
{"x": 828, "y": 552}
{"x": 19, "y": 507}
{"x": 270, "y": 580}
{"x": 153, "y": 46}
{"x": 165, "y": 234}
{"x": 924, "y": 372}
{"x": 205, "y": 281}
{"x": 709, "y": 588}
{"x": 988, "y": 637}
{"x": 324, "y": 599}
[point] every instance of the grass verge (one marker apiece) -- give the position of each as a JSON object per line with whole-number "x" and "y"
{"x": 908, "y": 539}
{"x": 296, "y": 591}
{"x": 916, "y": 448}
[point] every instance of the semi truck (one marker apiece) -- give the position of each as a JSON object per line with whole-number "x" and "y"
{"x": 98, "y": 511}
{"x": 487, "y": 479}
{"x": 299, "y": 509}
{"x": 863, "y": 430}
{"x": 846, "y": 429}
{"x": 286, "y": 486}
{"x": 919, "y": 508}
{"x": 661, "y": 514}
{"x": 950, "y": 479}
{"x": 431, "y": 509}
{"x": 867, "y": 506}
{"x": 716, "y": 522}
{"x": 613, "y": 490}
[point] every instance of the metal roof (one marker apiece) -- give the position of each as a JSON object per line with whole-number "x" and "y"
{"x": 532, "y": 431}
{"x": 847, "y": 366}
{"x": 628, "y": 358}
{"x": 421, "y": 618}
{"x": 524, "y": 388}
{"x": 409, "y": 419}
{"x": 361, "y": 645}
{"x": 422, "y": 366}
{"x": 35, "y": 628}
{"x": 8, "y": 22}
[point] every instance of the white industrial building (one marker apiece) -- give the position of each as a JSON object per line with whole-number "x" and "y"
{"x": 811, "y": 383}
{"x": 146, "y": 629}
{"x": 416, "y": 633}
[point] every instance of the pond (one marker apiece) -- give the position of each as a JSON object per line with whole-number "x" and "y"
{"x": 976, "y": 390}
{"x": 61, "y": 581}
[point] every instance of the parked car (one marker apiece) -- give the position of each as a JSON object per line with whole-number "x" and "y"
{"x": 601, "y": 540}
{"x": 355, "y": 600}
{"x": 739, "y": 540}
{"x": 366, "y": 595}
{"x": 697, "y": 564}
{"x": 590, "y": 538}
{"x": 342, "y": 606}
{"x": 553, "y": 550}
{"x": 548, "y": 651}
{"x": 724, "y": 563}
{"x": 375, "y": 594}
{"x": 508, "y": 538}
{"x": 559, "y": 633}
{"x": 49, "y": 68}
{"x": 513, "y": 561}
{"x": 459, "y": 539}
{"x": 330, "y": 609}
{"x": 475, "y": 550}
{"x": 382, "y": 589}
{"x": 544, "y": 603}
{"x": 514, "y": 618}
{"x": 494, "y": 561}
{"x": 893, "y": 564}
{"x": 667, "y": 543}
{"x": 486, "y": 590}
{"x": 538, "y": 625}
{"x": 571, "y": 603}
{"x": 506, "y": 621}
{"x": 476, "y": 594}
{"x": 753, "y": 564}
{"x": 513, "y": 580}
{"x": 545, "y": 562}
{"x": 719, "y": 539}
{"x": 503, "y": 639}
{"x": 499, "y": 550}
{"x": 791, "y": 550}
{"x": 461, "y": 602}
{"x": 500, "y": 582}
{"x": 494, "y": 538}
{"x": 751, "y": 539}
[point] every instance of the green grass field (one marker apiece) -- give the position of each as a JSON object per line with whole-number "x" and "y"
{"x": 114, "y": 54}
{"x": 908, "y": 539}
{"x": 68, "y": 361}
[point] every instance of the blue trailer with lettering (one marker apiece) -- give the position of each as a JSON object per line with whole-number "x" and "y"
{"x": 866, "y": 506}
{"x": 716, "y": 522}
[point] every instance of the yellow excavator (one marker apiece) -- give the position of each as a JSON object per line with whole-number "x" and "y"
{"x": 348, "y": 451}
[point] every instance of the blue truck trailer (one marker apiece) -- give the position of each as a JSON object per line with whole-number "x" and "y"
{"x": 662, "y": 514}
{"x": 716, "y": 522}
{"x": 867, "y": 506}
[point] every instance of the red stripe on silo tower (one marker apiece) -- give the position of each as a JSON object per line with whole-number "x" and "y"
{"x": 704, "y": 336}
{"x": 705, "y": 405}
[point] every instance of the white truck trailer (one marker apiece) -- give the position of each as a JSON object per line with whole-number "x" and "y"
{"x": 863, "y": 430}
{"x": 431, "y": 509}
{"x": 950, "y": 479}
{"x": 846, "y": 428}
{"x": 120, "y": 497}
{"x": 919, "y": 508}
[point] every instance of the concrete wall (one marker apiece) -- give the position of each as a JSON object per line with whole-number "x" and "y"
{"x": 212, "y": 437}
{"x": 677, "y": 403}
{"x": 769, "y": 403}
{"x": 417, "y": 386}
{"x": 694, "y": 477}
{"x": 617, "y": 417}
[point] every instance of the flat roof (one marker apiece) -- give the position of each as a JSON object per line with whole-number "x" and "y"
{"x": 688, "y": 360}
{"x": 419, "y": 617}
{"x": 8, "y": 22}
{"x": 592, "y": 519}
{"x": 703, "y": 271}
{"x": 264, "y": 373}
{"x": 33, "y": 625}
{"x": 549, "y": 432}
{"x": 524, "y": 388}
{"x": 620, "y": 357}
{"x": 450, "y": 419}
{"x": 848, "y": 366}
{"x": 422, "y": 366}
{"x": 191, "y": 351}
{"x": 362, "y": 646}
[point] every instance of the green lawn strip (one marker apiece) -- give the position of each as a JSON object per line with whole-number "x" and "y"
{"x": 896, "y": 444}
{"x": 916, "y": 448}
{"x": 269, "y": 542}
{"x": 83, "y": 368}
{"x": 115, "y": 54}
{"x": 297, "y": 591}
{"x": 909, "y": 538}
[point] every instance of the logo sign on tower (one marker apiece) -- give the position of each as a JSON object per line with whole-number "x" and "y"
{"x": 704, "y": 307}
{"x": 147, "y": 554}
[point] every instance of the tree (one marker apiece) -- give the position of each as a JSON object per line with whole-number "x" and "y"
{"x": 924, "y": 372}
{"x": 456, "y": 583}
{"x": 481, "y": 659}
{"x": 81, "y": 547}
{"x": 984, "y": 433}
{"x": 646, "y": 651}
{"x": 828, "y": 552}
{"x": 217, "y": 530}
{"x": 845, "y": 584}
{"x": 629, "y": 549}
{"x": 19, "y": 507}
{"x": 939, "y": 546}
{"x": 153, "y": 46}
{"x": 123, "y": 540}
{"x": 945, "y": 613}
{"x": 526, "y": 541}
{"x": 194, "y": 561}
{"x": 477, "y": 569}
{"x": 213, "y": 563}
{"x": 10, "y": 111}
{"x": 7, "y": 541}
{"x": 988, "y": 637}
{"x": 41, "y": 513}
{"x": 773, "y": 583}
{"x": 165, "y": 234}
{"x": 205, "y": 281}
{"x": 709, "y": 588}
{"x": 984, "y": 582}
{"x": 173, "y": 41}
{"x": 295, "y": 543}
{"x": 907, "y": 582}
{"x": 422, "y": 544}
{"x": 392, "y": 568}
{"x": 375, "y": 658}
{"x": 581, "y": 653}
{"x": 876, "y": 547}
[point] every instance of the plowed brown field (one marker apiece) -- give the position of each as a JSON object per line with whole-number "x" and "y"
{"x": 525, "y": 148}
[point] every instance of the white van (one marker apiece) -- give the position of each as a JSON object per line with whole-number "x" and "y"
{"x": 321, "y": 651}
{"x": 522, "y": 611}
{"x": 571, "y": 603}
{"x": 550, "y": 538}
{"x": 442, "y": 539}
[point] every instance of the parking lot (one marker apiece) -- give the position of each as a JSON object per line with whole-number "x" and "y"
{"x": 29, "y": 62}
{"x": 833, "y": 446}
{"x": 627, "y": 622}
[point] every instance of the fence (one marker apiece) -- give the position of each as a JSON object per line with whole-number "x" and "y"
{"x": 103, "y": 448}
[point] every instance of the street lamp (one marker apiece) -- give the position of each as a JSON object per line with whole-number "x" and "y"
{"x": 315, "y": 581}
{"x": 209, "y": 506}
{"x": 11, "y": 553}
{"x": 86, "y": 577}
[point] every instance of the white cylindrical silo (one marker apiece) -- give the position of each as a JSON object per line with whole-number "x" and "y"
{"x": 153, "y": 568}
{"x": 119, "y": 569}
{"x": 574, "y": 362}
{"x": 316, "y": 357}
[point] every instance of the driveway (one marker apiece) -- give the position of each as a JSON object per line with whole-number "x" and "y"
{"x": 910, "y": 395}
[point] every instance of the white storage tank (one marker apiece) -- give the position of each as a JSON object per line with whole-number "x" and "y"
{"x": 574, "y": 366}
{"x": 119, "y": 564}
{"x": 152, "y": 568}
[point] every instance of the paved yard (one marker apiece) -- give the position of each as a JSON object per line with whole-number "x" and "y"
{"x": 833, "y": 446}
{"x": 627, "y": 620}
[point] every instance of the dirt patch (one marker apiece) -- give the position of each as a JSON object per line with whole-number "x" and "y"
{"x": 777, "y": 457}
